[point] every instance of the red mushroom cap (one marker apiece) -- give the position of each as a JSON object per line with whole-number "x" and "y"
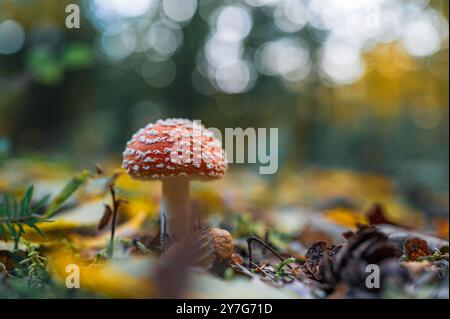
{"x": 174, "y": 148}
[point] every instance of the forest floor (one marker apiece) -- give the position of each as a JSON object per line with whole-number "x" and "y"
{"x": 315, "y": 233}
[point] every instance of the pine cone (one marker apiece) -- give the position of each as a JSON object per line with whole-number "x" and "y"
{"x": 347, "y": 262}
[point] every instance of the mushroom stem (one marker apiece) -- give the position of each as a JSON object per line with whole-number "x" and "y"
{"x": 175, "y": 212}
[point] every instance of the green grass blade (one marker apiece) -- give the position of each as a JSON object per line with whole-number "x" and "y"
{"x": 70, "y": 188}
{"x": 26, "y": 202}
{"x": 3, "y": 232}
{"x": 41, "y": 204}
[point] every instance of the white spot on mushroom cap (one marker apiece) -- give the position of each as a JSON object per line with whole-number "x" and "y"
{"x": 152, "y": 132}
{"x": 150, "y": 160}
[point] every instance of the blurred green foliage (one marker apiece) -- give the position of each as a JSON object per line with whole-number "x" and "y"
{"x": 48, "y": 67}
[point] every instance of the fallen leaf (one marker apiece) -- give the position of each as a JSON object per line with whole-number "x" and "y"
{"x": 106, "y": 218}
{"x": 415, "y": 248}
{"x": 345, "y": 217}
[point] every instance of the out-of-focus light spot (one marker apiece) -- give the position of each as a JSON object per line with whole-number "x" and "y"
{"x": 332, "y": 14}
{"x": 290, "y": 15}
{"x": 12, "y": 37}
{"x": 390, "y": 26}
{"x": 219, "y": 52}
{"x": 285, "y": 57}
{"x": 118, "y": 46}
{"x": 131, "y": 8}
{"x": 441, "y": 25}
{"x": 159, "y": 74}
{"x": 363, "y": 23}
{"x": 341, "y": 63}
{"x": 260, "y": 3}
{"x": 425, "y": 113}
{"x": 165, "y": 39}
{"x": 299, "y": 73}
{"x": 420, "y": 38}
{"x": 234, "y": 77}
{"x": 352, "y": 5}
{"x": 121, "y": 8}
{"x": 233, "y": 23}
{"x": 420, "y": 4}
{"x": 107, "y": 15}
{"x": 180, "y": 10}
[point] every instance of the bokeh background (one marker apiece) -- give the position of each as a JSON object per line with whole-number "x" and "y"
{"x": 359, "y": 84}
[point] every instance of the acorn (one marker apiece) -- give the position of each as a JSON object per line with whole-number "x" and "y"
{"x": 202, "y": 248}
{"x": 223, "y": 243}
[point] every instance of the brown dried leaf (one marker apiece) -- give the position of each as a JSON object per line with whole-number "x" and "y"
{"x": 106, "y": 218}
{"x": 376, "y": 215}
{"x": 314, "y": 264}
{"x": 415, "y": 248}
{"x": 348, "y": 234}
{"x": 237, "y": 259}
{"x": 7, "y": 260}
{"x": 99, "y": 169}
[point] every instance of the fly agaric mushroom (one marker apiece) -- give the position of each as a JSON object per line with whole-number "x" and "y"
{"x": 175, "y": 151}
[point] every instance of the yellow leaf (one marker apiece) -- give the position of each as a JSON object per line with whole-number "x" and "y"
{"x": 105, "y": 279}
{"x": 345, "y": 217}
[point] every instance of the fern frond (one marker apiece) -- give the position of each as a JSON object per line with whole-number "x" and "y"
{"x": 14, "y": 216}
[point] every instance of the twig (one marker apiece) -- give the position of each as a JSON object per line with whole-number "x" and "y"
{"x": 266, "y": 239}
{"x": 265, "y": 273}
{"x": 261, "y": 242}
{"x": 114, "y": 218}
{"x": 240, "y": 269}
{"x": 116, "y": 203}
